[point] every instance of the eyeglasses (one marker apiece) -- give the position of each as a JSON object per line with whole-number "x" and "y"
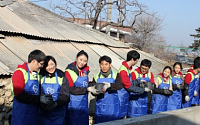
{"x": 145, "y": 69}
{"x": 41, "y": 63}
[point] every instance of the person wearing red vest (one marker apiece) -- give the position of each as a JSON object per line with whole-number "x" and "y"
{"x": 26, "y": 91}
{"x": 77, "y": 74}
{"x": 175, "y": 100}
{"x": 162, "y": 90}
{"x": 191, "y": 84}
{"x": 125, "y": 73}
{"x": 138, "y": 102}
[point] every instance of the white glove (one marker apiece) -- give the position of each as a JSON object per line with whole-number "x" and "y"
{"x": 187, "y": 98}
{"x": 93, "y": 90}
{"x": 147, "y": 89}
{"x": 179, "y": 86}
{"x": 195, "y": 93}
{"x": 105, "y": 86}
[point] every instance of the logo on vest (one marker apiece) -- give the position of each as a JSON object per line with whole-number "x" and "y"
{"x": 50, "y": 91}
{"x": 177, "y": 82}
{"x": 196, "y": 82}
{"x": 165, "y": 87}
{"x": 35, "y": 88}
{"x": 85, "y": 84}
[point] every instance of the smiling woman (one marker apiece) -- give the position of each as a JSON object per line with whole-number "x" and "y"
{"x": 77, "y": 74}
{"x": 162, "y": 91}
{"x": 55, "y": 93}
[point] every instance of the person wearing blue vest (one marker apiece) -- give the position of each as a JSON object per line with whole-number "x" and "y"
{"x": 138, "y": 102}
{"x": 175, "y": 100}
{"x": 77, "y": 74}
{"x": 25, "y": 90}
{"x": 107, "y": 103}
{"x": 54, "y": 93}
{"x": 191, "y": 82}
{"x": 162, "y": 91}
{"x": 125, "y": 73}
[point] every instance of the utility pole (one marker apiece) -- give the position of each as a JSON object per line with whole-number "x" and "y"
{"x": 109, "y": 13}
{"x": 119, "y": 19}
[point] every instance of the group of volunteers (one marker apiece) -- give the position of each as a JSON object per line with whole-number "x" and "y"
{"x": 45, "y": 95}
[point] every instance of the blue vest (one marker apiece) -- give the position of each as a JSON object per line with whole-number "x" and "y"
{"x": 138, "y": 103}
{"x": 195, "y": 99}
{"x": 175, "y": 100}
{"x": 124, "y": 100}
{"x": 107, "y": 105}
{"x": 78, "y": 112}
{"x": 26, "y": 114}
{"x": 57, "y": 115}
{"x": 159, "y": 102}
{"x": 191, "y": 89}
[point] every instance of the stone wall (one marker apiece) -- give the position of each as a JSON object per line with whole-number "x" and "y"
{"x": 6, "y": 100}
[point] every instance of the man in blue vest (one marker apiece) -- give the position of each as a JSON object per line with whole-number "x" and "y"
{"x": 25, "y": 90}
{"x": 128, "y": 84}
{"x": 190, "y": 83}
{"x": 107, "y": 104}
{"x": 138, "y": 102}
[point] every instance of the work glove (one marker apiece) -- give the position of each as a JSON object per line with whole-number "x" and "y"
{"x": 179, "y": 86}
{"x": 136, "y": 82}
{"x": 195, "y": 93}
{"x": 46, "y": 99}
{"x": 93, "y": 90}
{"x": 147, "y": 84}
{"x": 143, "y": 85}
{"x": 168, "y": 92}
{"x": 187, "y": 98}
{"x": 147, "y": 89}
{"x": 48, "y": 107}
{"x": 105, "y": 86}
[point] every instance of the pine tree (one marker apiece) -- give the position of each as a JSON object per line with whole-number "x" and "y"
{"x": 196, "y": 43}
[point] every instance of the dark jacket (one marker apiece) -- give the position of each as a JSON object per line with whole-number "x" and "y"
{"x": 73, "y": 89}
{"x": 64, "y": 91}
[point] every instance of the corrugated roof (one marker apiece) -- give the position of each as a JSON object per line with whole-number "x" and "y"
{"x": 119, "y": 52}
{"x": 5, "y": 27}
{"x": 17, "y": 23}
{"x": 101, "y": 50}
{"x": 57, "y": 28}
{"x": 69, "y": 38}
{"x": 30, "y": 15}
{"x": 8, "y": 58}
{"x": 48, "y": 48}
{"x": 2, "y": 36}
{"x": 6, "y": 2}
{"x": 4, "y": 70}
{"x": 20, "y": 46}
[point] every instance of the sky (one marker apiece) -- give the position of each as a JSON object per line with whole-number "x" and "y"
{"x": 181, "y": 18}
